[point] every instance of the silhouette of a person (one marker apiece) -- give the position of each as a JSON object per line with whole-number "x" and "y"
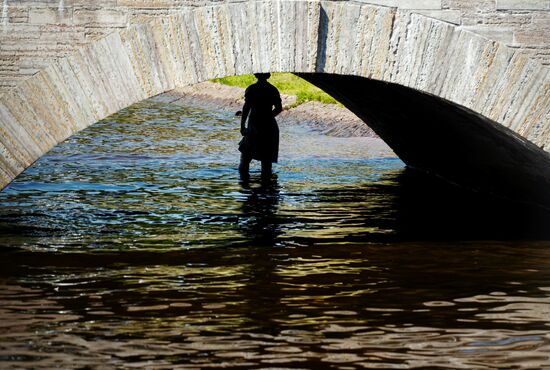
{"x": 261, "y": 137}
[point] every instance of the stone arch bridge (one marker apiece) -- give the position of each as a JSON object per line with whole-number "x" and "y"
{"x": 447, "y": 100}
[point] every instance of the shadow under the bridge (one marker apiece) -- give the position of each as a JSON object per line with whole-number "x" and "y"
{"x": 442, "y": 138}
{"x": 427, "y": 208}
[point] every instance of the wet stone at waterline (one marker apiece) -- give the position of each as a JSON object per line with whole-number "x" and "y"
{"x": 135, "y": 244}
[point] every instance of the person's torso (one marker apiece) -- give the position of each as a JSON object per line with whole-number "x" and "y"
{"x": 262, "y": 97}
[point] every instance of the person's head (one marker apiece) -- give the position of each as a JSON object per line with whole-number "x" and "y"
{"x": 262, "y": 76}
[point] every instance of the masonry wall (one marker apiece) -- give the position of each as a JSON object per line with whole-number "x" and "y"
{"x": 34, "y": 32}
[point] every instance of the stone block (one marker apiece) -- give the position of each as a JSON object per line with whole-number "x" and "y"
{"x": 76, "y": 96}
{"x": 242, "y": 50}
{"x": 99, "y": 17}
{"x": 13, "y": 135}
{"x": 39, "y": 3}
{"x": 50, "y": 16}
{"x": 407, "y": 4}
{"x": 531, "y": 38}
{"x": 498, "y": 20}
{"x": 18, "y": 14}
{"x": 43, "y": 103}
{"x": 523, "y": 4}
{"x": 541, "y": 20}
{"x": 19, "y": 32}
{"x": 503, "y": 35}
{"x": 93, "y": 4}
{"x": 136, "y": 41}
{"x": 450, "y": 16}
{"x": 471, "y": 7}
{"x": 149, "y": 3}
{"x": 32, "y": 124}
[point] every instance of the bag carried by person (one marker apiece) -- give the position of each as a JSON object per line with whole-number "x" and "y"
{"x": 244, "y": 145}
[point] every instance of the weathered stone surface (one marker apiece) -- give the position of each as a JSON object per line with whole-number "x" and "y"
{"x": 68, "y": 24}
{"x": 504, "y": 35}
{"x": 50, "y": 16}
{"x": 110, "y": 17}
{"x": 450, "y": 16}
{"x": 407, "y": 4}
{"x": 523, "y": 4}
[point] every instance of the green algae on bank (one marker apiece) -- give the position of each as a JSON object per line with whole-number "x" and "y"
{"x": 287, "y": 83}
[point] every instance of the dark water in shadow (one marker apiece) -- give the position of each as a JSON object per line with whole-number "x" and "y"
{"x": 135, "y": 245}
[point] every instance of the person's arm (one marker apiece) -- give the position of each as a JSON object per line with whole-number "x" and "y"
{"x": 246, "y": 111}
{"x": 278, "y": 103}
{"x": 278, "y": 108}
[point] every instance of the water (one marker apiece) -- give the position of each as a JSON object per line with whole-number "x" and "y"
{"x": 135, "y": 245}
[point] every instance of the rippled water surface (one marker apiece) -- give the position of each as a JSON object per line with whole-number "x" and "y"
{"x": 135, "y": 244}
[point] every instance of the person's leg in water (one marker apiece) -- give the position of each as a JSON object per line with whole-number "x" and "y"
{"x": 244, "y": 166}
{"x": 266, "y": 169}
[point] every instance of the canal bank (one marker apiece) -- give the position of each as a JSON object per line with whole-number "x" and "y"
{"x": 326, "y": 118}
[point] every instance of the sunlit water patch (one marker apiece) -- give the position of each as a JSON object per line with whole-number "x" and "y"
{"x": 135, "y": 244}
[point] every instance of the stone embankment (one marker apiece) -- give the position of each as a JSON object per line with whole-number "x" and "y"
{"x": 329, "y": 119}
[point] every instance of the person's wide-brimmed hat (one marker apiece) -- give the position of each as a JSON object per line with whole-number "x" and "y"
{"x": 262, "y": 76}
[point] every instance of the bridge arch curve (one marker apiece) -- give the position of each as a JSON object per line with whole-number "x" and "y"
{"x": 399, "y": 53}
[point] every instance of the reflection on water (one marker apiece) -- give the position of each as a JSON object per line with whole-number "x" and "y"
{"x": 135, "y": 245}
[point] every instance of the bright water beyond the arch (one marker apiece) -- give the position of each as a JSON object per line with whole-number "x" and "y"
{"x": 135, "y": 244}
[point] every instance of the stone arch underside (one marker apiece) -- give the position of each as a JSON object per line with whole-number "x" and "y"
{"x": 485, "y": 83}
